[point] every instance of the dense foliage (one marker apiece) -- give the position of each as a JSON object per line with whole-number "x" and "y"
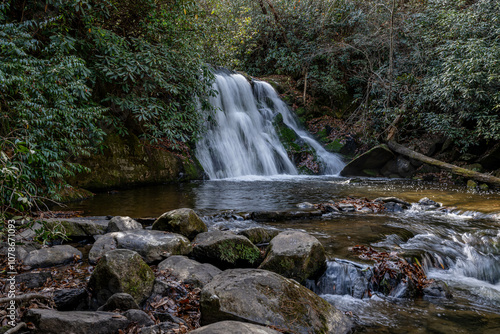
{"x": 72, "y": 71}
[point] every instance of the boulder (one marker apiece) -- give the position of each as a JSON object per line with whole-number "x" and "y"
{"x": 189, "y": 271}
{"x": 121, "y": 270}
{"x": 266, "y": 298}
{"x": 33, "y": 279}
{"x": 75, "y": 322}
{"x": 224, "y": 327}
{"x": 79, "y": 227}
{"x": 151, "y": 245}
{"x": 52, "y": 256}
{"x": 117, "y": 224}
{"x": 139, "y": 317}
{"x": 70, "y": 299}
{"x": 119, "y": 301}
{"x": 182, "y": 221}
{"x": 296, "y": 255}
{"x": 259, "y": 235}
{"x": 225, "y": 250}
{"x": 368, "y": 163}
{"x": 161, "y": 328}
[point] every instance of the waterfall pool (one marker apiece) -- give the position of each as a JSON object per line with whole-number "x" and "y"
{"x": 466, "y": 240}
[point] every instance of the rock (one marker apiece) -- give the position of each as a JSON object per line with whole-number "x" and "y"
{"x": 266, "y": 216}
{"x": 404, "y": 167}
{"x": 428, "y": 204}
{"x": 139, "y": 317}
{"x": 182, "y": 221}
{"x": 266, "y": 298}
{"x": 306, "y": 205}
{"x": 437, "y": 290}
{"x": 225, "y": 250}
{"x": 79, "y": 227}
{"x": 471, "y": 185}
{"x": 117, "y": 224}
{"x": 393, "y": 207}
{"x": 189, "y": 271}
{"x": 70, "y": 299}
{"x": 259, "y": 235}
{"x": 162, "y": 328}
{"x": 121, "y": 270}
{"x": 296, "y": 255}
{"x": 75, "y": 322}
{"x": 346, "y": 207}
{"x": 405, "y": 204}
{"x": 225, "y": 327}
{"x": 119, "y": 301}
{"x": 374, "y": 159}
{"x": 33, "y": 279}
{"x": 52, "y": 256}
{"x": 484, "y": 187}
{"x": 151, "y": 245}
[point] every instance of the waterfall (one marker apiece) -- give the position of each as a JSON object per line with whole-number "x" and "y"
{"x": 242, "y": 139}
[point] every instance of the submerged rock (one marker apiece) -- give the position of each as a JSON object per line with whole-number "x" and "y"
{"x": 296, "y": 255}
{"x": 151, "y": 245}
{"x": 52, "y": 256}
{"x": 225, "y": 327}
{"x": 75, "y": 322}
{"x": 182, "y": 221}
{"x": 121, "y": 270}
{"x": 225, "y": 250}
{"x": 189, "y": 271}
{"x": 266, "y": 298}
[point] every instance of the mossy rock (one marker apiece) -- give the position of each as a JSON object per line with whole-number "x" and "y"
{"x": 259, "y": 235}
{"x": 296, "y": 255}
{"x": 121, "y": 270}
{"x": 266, "y": 298}
{"x": 225, "y": 250}
{"x": 182, "y": 221}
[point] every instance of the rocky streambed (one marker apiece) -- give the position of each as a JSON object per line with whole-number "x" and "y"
{"x": 172, "y": 275}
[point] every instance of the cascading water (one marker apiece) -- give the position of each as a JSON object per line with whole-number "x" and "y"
{"x": 242, "y": 139}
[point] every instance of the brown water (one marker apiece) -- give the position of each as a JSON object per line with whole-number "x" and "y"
{"x": 466, "y": 241}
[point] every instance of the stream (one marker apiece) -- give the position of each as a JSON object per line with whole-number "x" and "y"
{"x": 460, "y": 246}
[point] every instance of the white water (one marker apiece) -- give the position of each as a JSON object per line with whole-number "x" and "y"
{"x": 242, "y": 140}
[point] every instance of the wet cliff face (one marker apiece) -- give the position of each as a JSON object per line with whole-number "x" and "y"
{"x": 128, "y": 162}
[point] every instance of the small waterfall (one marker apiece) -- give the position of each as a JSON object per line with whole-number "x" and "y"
{"x": 242, "y": 139}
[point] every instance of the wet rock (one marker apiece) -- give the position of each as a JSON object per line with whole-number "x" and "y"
{"x": 225, "y": 250}
{"x": 139, "y": 317}
{"x": 330, "y": 207}
{"x": 437, "y": 290}
{"x": 369, "y": 162}
{"x": 189, "y": 271}
{"x": 79, "y": 227}
{"x": 405, "y": 204}
{"x": 306, "y": 205}
{"x": 151, "y": 245}
{"x": 393, "y": 207}
{"x": 117, "y": 224}
{"x": 428, "y": 204}
{"x": 75, "y": 322}
{"x": 33, "y": 279}
{"x": 52, "y": 256}
{"x": 119, "y": 301}
{"x": 272, "y": 216}
{"x": 71, "y": 299}
{"x": 259, "y": 235}
{"x": 224, "y": 327}
{"x": 296, "y": 255}
{"x": 266, "y": 298}
{"x": 182, "y": 221}
{"x": 471, "y": 185}
{"x": 484, "y": 187}
{"x": 121, "y": 270}
{"x": 346, "y": 207}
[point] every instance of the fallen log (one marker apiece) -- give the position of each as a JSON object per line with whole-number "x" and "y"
{"x": 467, "y": 173}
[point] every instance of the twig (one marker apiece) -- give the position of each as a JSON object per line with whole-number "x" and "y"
{"x": 25, "y": 298}
{"x": 16, "y": 329}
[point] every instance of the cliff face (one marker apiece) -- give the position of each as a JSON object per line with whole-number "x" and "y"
{"x": 127, "y": 162}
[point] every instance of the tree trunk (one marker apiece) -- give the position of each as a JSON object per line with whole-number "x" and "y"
{"x": 467, "y": 173}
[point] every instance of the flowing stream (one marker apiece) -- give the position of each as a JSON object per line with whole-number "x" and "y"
{"x": 249, "y": 170}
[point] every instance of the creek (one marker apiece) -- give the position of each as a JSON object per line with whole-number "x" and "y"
{"x": 250, "y": 170}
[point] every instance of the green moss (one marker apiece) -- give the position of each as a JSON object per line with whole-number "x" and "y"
{"x": 334, "y": 146}
{"x": 232, "y": 252}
